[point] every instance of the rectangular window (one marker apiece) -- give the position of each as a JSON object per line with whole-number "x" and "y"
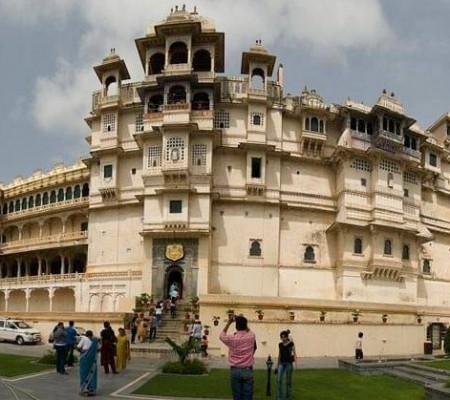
{"x": 256, "y": 167}
{"x": 139, "y": 123}
{"x": 363, "y": 182}
{"x": 199, "y": 154}
{"x": 84, "y": 226}
{"x": 221, "y": 119}
{"x": 406, "y": 192}
{"x": 109, "y": 122}
{"x": 154, "y": 157}
{"x": 257, "y": 119}
{"x": 433, "y": 160}
{"x": 107, "y": 171}
{"x": 175, "y": 206}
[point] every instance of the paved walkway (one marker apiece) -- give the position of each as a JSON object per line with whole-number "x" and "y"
{"x": 51, "y": 386}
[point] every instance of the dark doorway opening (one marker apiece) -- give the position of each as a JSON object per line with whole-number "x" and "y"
{"x": 174, "y": 274}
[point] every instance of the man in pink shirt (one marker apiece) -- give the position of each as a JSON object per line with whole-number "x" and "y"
{"x": 241, "y": 347}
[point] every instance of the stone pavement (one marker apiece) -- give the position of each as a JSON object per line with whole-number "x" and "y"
{"x": 51, "y": 386}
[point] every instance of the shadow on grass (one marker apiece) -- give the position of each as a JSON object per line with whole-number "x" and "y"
{"x": 325, "y": 384}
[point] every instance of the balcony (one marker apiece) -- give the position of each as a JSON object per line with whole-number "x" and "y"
{"x": 100, "y": 101}
{"x": 176, "y": 113}
{"x": 60, "y": 240}
{"x": 386, "y": 268}
{"x": 311, "y": 143}
{"x": 46, "y": 208}
{"x": 255, "y": 189}
{"x": 388, "y": 140}
{"x": 177, "y": 69}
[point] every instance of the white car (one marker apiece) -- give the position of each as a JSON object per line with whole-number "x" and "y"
{"x": 18, "y": 331}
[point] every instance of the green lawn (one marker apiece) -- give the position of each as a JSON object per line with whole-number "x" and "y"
{"x": 12, "y": 365}
{"x": 441, "y": 364}
{"x": 324, "y": 384}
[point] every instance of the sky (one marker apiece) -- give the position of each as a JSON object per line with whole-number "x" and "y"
{"x": 342, "y": 48}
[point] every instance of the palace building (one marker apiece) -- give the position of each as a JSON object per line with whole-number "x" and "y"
{"x": 246, "y": 196}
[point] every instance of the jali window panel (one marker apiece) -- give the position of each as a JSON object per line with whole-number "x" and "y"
{"x": 199, "y": 154}
{"x": 154, "y": 157}
{"x": 109, "y": 122}
{"x": 175, "y": 149}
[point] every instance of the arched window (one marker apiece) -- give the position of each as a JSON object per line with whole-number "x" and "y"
{"x": 38, "y": 200}
{"x": 258, "y": 78}
{"x": 178, "y": 53}
{"x": 69, "y": 193}
{"x": 314, "y": 124}
{"x": 53, "y": 196}
{"x": 391, "y": 126}
{"x": 255, "y": 249}
{"x": 369, "y": 128}
{"x": 200, "y": 101}
{"x": 11, "y": 207}
{"x": 156, "y": 63}
{"x": 309, "y": 255}
{"x": 357, "y": 246}
{"x": 407, "y": 141}
{"x": 388, "y": 247}
{"x": 77, "y": 192}
{"x": 5, "y": 208}
{"x": 256, "y": 120}
{"x": 361, "y": 126}
{"x": 413, "y": 143}
{"x": 307, "y": 126}
{"x": 405, "y": 252}
{"x": 353, "y": 123}
{"x": 177, "y": 94}
{"x": 31, "y": 202}
{"x": 24, "y": 203}
{"x": 17, "y": 205}
{"x": 202, "y": 61}
{"x": 321, "y": 124}
{"x": 45, "y": 198}
{"x": 85, "y": 190}
{"x": 111, "y": 86}
{"x": 426, "y": 266}
{"x": 61, "y": 195}
{"x": 155, "y": 103}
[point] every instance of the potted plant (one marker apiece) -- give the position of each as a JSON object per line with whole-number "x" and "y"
{"x": 194, "y": 303}
{"x": 216, "y": 320}
{"x": 356, "y": 315}
{"x": 206, "y": 331}
{"x": 419, "y": 318}
{"x": 291, "y": 315}
{"x": 260, "y": 314}
{"x": 322, "y": 316}
{"x": 384, "y": 318}
{"x": 187, "y": 324}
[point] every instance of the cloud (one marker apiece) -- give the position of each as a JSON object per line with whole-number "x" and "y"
{"x": 327, "y": 28}
{"x": 36, "y": 11}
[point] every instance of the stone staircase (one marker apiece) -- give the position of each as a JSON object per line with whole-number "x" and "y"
{"x": 170, "y": 327}
{"x": 419, "y": 373}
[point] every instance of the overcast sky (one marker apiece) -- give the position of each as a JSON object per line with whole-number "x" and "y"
{"x": 341, "y": 48}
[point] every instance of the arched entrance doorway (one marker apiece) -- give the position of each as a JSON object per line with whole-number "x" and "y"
{"x": 174, "y": 274}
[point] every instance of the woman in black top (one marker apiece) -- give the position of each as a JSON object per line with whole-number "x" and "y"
{"x": 286, "y": 357}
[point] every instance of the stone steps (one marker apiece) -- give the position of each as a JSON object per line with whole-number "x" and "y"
{"x": 418, "y": 374}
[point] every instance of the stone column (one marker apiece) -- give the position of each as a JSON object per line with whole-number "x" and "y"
{"x": 7, "y": 292}
{"x": 39, "y": 265}
{"x": 63, "y": 263}
{"x": 27, "y": 299}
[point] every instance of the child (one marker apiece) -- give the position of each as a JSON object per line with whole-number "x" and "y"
{"x": 358, "y": 347}
{"x": 204, "y": 346}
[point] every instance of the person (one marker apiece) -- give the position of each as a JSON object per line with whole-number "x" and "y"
{"x": 88, "y": 364}
{"x": 123, "y": 350}
{"x": 158, "y": 313}
{"x": 204, "y": 346}
{"x": 70, "y": 342}
{"x": 59, "y": 344}
{"x": 196, "y": 330}
{"x": 108, "y": 348}
{"x": 173, "y": 290}
{"x": 241, "y": 349}
{"x": 173, "y": 307}
{"x": 286, "y": 357}
{"x": 134, "y": 327}
{"x": 358, "y": 347}
{"x": 142, "y": 330}
{"x": 153, "y": 323}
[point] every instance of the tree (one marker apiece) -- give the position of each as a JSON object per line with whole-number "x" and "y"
{"x": 182, "y": 350}
{"x": 447, "y": 341}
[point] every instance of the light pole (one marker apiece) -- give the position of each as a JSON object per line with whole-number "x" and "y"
{"x": 269, "y": 364}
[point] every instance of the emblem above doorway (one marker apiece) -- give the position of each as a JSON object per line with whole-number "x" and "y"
{"x": 174, "y": 252}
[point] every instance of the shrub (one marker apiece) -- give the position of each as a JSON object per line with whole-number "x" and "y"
{"x": 447, "y": 342}
{"x": 50, "y": 358}
{"x": 189, "y": 367}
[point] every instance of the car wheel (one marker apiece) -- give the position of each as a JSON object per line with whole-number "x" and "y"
{"x": 19, "y": 340}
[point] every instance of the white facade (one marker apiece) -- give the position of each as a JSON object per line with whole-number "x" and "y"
{"x": 246, "y": 197}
